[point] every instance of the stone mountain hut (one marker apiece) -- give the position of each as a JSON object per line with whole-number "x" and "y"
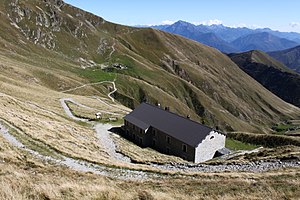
{"x": 169, "y": 133}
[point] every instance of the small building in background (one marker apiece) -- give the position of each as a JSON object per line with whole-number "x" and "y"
{"x": 169, "y": 133}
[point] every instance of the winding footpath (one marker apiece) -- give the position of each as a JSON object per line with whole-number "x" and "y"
{"x": 102, "y": 133}
{"x": 114, "y": 90}
{"x": 113, "y": 49}
{"x": 79, "y": 165}
{"x": 69, "y": 113}
{"x": 92, "y": 84}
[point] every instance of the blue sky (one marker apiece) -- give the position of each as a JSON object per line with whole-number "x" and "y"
{"x": 280, "y": 15}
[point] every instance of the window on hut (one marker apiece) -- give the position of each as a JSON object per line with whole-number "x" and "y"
{"x": 184, "y": 148}
{"x": 154, "y": 132}
{"x": 168, "y": 139}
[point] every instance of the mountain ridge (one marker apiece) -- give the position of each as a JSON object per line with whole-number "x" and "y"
{"x": 272, "y": 74}
{"x": 263, "y": 41}
{"x": 226, "y": 35}
{"x": 289, "y": 57}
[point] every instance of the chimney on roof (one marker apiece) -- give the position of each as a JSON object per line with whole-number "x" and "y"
{"x": 188, "y": 116}
{"x": 167, "y": 108}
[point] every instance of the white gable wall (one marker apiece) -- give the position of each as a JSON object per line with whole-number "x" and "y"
{"x": 208, "y": 147}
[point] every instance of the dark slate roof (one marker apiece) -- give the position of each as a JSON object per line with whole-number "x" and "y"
{"x": 181, "y": 128}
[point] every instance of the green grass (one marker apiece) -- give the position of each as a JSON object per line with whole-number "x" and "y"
{"x": 117, "y": 122}
{"x": 265, "y": 140}
{"x": 238, "y": 145}
{"x": 96, "y": 75}
{"x": 283, "y": 128}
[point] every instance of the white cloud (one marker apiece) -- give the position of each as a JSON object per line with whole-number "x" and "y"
{"x": 294, "y": 24}
{"x": 167, "y": 22}
{"x": 242, "y": 25}
{"x": 209, "y": 22}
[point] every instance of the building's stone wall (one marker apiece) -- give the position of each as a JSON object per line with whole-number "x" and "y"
{"x": 171, "y": 146}
{"x": 135, "y": 134}
{"x": 208, "y": 147}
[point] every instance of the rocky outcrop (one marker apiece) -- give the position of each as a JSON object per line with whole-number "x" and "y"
{"x": 44, "y": 22}
{"x": 37, "y": 25}
{"x": 173, "y": 66}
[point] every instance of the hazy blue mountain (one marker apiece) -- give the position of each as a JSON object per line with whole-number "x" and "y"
{"x": 262, "y": 41}
{"x": 223, "y": 38}
{"x": 289, "y": 57}
{"x": 200, "y": 34}
{"x": 287, "y": 35}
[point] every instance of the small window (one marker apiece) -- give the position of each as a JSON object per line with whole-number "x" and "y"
{"x": 184, "y": 148}
{"x": 154, "y": 132}
{"x": 168, "y": 139}
{"x": 141, "y": 141}
{"x": 212, "y": 137}
{"x": 141, "y": 131}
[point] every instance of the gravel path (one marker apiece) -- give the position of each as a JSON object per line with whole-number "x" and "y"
{"x": 257, "y": 166}
{"x": 68, "y": 111}
{"x": 98, "y": 83}
{"x": 113, "y": 49}
{"x": 104, "y": 137}
{"x": 114, "y": 90}
{"x": 79, "y": 165}
{"x": 102, "y": 132}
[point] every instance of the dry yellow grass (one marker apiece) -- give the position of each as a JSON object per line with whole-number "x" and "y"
{"x": 143, "y": 155}
{"x": 28, "y": 178}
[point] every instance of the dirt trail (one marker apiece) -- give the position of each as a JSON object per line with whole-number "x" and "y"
{"x": 113, "y": 49}
{"x": 114, "y": 90}
{"x": 69, "y": 113}
{"x": 102, "y": 132}
{"x": 78, "y": 165}
{"x": 92, "y": 84}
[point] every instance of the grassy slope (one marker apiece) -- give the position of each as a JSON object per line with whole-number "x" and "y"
{"x": 34, "y": 180}
{"x": 219, "y": 86}
{"x": 270, "y": 73}
{"x": 290, "y": 57}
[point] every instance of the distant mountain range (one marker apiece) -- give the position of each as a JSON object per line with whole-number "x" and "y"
{"x": 229, "y": 40}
